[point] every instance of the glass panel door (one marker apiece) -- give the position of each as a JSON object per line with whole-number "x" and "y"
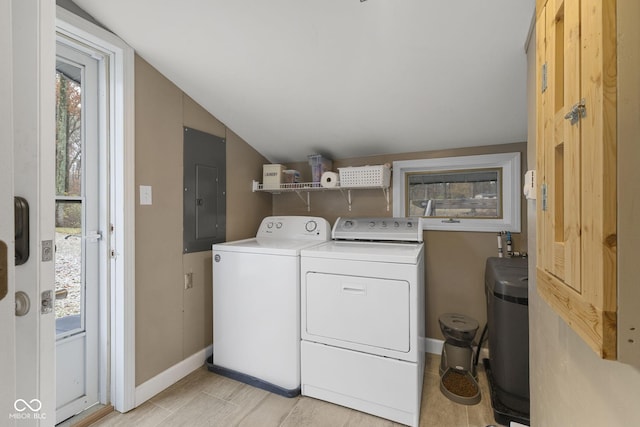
{"x": 77, "y": 275}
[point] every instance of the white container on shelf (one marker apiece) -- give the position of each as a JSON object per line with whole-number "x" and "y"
{"x": 365, "y": 176}
{"x": 272, "y": 176}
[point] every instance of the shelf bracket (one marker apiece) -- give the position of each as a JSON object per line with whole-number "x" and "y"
{"x": 347, "y": 196}
{"x": 385, "y": 191}
{"x": 306, "y": 201}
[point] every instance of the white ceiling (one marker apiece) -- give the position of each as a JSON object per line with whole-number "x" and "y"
{"x": 343, "y": 78}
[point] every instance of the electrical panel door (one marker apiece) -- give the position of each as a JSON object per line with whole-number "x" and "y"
{"x": 204, "y": 190}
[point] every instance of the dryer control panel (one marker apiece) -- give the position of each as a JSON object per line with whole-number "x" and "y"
{"x": 295, "y": 227}
{"x": 386, "y": 229}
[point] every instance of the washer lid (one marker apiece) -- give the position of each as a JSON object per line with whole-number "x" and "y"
{"x": 393, "y": 252}
{"x": 262, "y": 245}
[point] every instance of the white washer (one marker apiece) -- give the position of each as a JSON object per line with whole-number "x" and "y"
{"x": 363, "y": 317}
{"x": 256, "y": 303}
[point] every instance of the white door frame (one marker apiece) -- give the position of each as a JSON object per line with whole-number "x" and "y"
{"x": 121, "y": 320}
{"x": 7, "y": 319}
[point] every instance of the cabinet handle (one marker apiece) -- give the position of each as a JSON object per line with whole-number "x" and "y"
{"x": 577, "y": 112}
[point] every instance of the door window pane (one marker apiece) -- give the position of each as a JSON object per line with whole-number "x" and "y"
{"x": 68, "y": 130}
{"x": 68, "y": 267}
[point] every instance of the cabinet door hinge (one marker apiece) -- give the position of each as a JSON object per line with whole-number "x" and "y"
{"x": 544, "y": 196}
{"x": 543, "y": 73}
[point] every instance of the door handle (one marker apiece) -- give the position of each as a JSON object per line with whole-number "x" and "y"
{"x": 93, "y": 236}
{"x": 4, "y": 276}
{"x": 21, "y": 222}
{"x": 23, "y": 303}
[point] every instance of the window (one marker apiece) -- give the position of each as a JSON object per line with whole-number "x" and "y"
{"x": 466, "y": 193}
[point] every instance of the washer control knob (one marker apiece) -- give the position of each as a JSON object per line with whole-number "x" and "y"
{"x": 396, "y": 224}
{"x": 348, "y": 224}
{"x": 372, "y": 224}
{"x": 278, "y": 225}
{"x": 311, "y": 226}
{"x": 269, "y": 225}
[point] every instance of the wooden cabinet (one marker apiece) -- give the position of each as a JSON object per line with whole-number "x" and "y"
{"x": 576, "y": 163}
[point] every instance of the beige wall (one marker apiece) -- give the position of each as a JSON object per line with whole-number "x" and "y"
{"x": 629, "y": 183}
{"x": 173, "y": 323}
{"x": 454, "y": 261}
{"x": 570, "y": 385}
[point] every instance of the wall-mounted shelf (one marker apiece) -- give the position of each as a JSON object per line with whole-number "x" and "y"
{"x": 309, "y": 187}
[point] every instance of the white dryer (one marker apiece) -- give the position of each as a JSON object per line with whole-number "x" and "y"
{"x": 363, "y": 317}
{"x": 256, "y": 303}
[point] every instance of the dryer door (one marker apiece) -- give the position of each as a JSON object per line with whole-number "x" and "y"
{"x": 357, "y": 310}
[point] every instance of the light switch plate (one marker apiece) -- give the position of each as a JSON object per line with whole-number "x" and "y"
{"x": 145, "y": 195}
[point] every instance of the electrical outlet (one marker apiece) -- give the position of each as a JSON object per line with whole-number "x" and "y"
{"x": 188, "y": 281}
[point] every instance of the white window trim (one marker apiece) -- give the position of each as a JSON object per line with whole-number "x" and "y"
{"x": 121, "y": 322}
{"x": 508, "y": 162}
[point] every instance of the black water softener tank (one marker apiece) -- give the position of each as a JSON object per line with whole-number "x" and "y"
{"x": 506, "y": 287}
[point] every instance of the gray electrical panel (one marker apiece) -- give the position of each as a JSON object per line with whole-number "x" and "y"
{"x": 204, "y": 201}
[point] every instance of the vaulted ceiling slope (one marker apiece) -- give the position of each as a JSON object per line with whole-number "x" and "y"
{"x": 344, "y": 78}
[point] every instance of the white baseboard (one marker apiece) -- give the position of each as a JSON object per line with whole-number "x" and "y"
{"x": 433, "y": 346}
{"x": 163, "y": 380}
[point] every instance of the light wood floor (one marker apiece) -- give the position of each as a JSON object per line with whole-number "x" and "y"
{"x": 206, "y": 399}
